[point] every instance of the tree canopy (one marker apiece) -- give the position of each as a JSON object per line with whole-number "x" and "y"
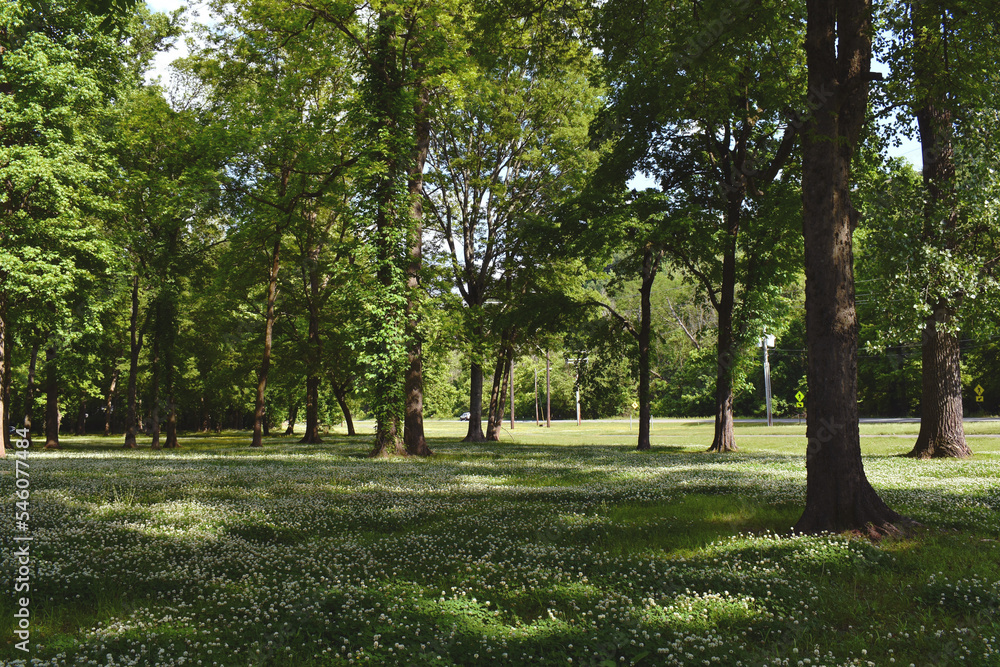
{"x": 398, "y": 210}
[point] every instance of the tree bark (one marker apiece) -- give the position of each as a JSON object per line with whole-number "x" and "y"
{"x": 155, "y": 394}
{"x": 109, "y": 402}
{"x": 511, "y": 372}
{"x": 340, "y": 392}
{"x": 838, "y": 50}
{"x": 942, "y": 433}
{"x": 171, "y": 441}
{"x": 311, "y": 436}
{"x": 650, "y": 265}
{"x": 81, "y": 419}
{"x": 29, "y": 391}
{"x": 475, "y": 433}
{"x": 413, "y": 385}
{"x": 388, "y": 440}
{"x": 293, "y": 414}
{"x": 498, "y": 393}
{"x": 265, "y": 363}
{"x": 724, "y": 439}
{"x": 206, "y": 417}
{"x": 168, "y": 358}
{"x": 51, "y": 399}
{"x": 135, "y": 347}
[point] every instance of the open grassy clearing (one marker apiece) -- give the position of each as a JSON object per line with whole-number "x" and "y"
{"x": 519, "y": 552}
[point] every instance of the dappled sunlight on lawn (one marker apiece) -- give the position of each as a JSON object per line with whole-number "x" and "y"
{"x": 508, "y": 553}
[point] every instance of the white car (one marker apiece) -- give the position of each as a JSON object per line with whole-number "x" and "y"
{"x": 464, "y": 417}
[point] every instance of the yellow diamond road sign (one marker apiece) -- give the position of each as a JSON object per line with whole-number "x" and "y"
{"x": 979, "y": 389}
{"x": 799, "y": 396}
{"x": 635, "y": 405}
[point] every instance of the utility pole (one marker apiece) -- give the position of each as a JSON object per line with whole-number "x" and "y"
{"x": 766, "y": 342}
{"x": 576, "y": 363}
{"x": 538, "y": 418}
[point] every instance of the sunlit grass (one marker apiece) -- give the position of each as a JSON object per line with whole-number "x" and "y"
{"x": 554, "y": 546}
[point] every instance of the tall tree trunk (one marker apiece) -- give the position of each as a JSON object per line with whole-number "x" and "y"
{"x": 81, "y": 419}
{"x": 511, "y": 371}
{"x": 29, "y": 390}
{"x": 265, "y": 363}
{"x": 293, "y": 414}
{"x": 475, "y": 432}
{"x": 387, "y": 88}
{"x": 206, "y": 417}
{"x": 315, "y": 343}
{"x": 725, "y": 439}
{"x": 548, "y": 390}
{"x": 155, "y": 394}
{"x": 135, "y": 346}
{"x": 942, "y": 433}
{"x": 498, "y": 394}
{"x": 311, "y": 436}
{"x": 109, "y": 401}
{"x": 51, "y": 399}
{"x": 169, "y": 333}
{"x": 171, "y": 441}
{"x": 388, "y": 439}
{"x": 650, "y": 265}
{"x": 340, "y": 392}
{"x": 838, "y": 50}
{"x": 413, "y": 386}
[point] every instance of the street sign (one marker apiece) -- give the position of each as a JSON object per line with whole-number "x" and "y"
{"x": 979, "y": 393}
{"x": 799, "y": 397}
{"x": 635, "y": 406}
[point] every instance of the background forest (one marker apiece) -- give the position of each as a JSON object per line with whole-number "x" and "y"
{"x": 404, "y": 210}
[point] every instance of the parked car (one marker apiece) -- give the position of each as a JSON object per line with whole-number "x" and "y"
{"x": 464, "y": 417}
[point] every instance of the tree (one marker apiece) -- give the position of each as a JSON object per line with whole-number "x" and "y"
{"x": 282, "y": 102}
{"x": 708, "y": 115}
{"x": 937, "y": 51}
{"x": 630, "y": 236}
{"x": 406, "y": 50}
{"x": 838, "y": 51}
{"x": 53, "y": 171}
{"x": 504, "y": 152}
{"x": 169, "y": 164}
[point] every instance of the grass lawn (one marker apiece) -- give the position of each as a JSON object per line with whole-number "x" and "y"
{"x": 558, "y": 546}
